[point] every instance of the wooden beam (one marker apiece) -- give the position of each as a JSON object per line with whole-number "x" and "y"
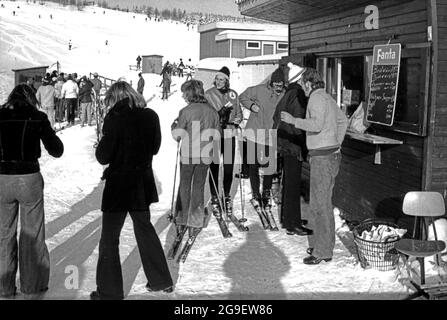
{"x": 428, "y": 142}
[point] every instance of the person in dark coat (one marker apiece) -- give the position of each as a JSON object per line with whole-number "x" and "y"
{"x": 139, "y": 62}
{"x": 22, "y": 128}
{"x": 131, "y": 137}
{"x": 292, "y": 148}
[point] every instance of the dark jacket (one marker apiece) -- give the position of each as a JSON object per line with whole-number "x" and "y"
{"x": 131, "y": 137}
{"x": 21, "y": 130}
{"x": 291, "y": 140}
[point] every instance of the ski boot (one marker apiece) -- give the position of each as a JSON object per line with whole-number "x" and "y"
{"x": 267, "y": 206}
{"x": 193, "y": 233}
{"x": 217, "y": 212}
{"x": 231, "y": 216}
{"x": 262, "y": 215}
{"x": 181, "y": 230}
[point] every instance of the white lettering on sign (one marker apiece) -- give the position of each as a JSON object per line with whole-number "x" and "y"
{"x": 72, "y": 280}
{"x": 372, "y": 20}
{"x": 385, "y": 55}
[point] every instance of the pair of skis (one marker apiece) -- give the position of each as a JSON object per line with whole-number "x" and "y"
{"x": 265, "y": 214}
{"x": 221, "y": 205}
{"x": 181, "y": 230}
{"x": 193, "y": 233}
{"x": 217, "y": 212}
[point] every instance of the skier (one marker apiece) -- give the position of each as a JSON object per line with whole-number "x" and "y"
{"x": 180, "y": 68}
{"x": 226, "y": 103}
{"x": 140, "y": 85}
{"x": 138, "y": 63}
{"x": 189, "y": 212}
{"x": 189, "y": 70}
{"x": 261, "y": 100}
{"x": 166, "y": 80}
{"x": 293, "y": 151}
{"x": 22, "y": 128}
{"x": 131, "y": 137}
{"x": 69, "y": 45}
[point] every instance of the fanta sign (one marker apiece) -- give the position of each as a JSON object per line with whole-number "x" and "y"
{"x": 387, "y": 54}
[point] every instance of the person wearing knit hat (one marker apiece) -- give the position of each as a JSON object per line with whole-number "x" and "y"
{"x": 261, "y": 100}
{"x": 277, "y": 76}
{"x": 226, "y": 102}
{"x": 277, "y": 81}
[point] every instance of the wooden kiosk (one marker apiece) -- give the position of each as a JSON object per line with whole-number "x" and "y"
{"x": 152, "y": 63}
{"x": 338, "y": 38}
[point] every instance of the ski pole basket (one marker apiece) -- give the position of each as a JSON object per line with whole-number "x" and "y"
{"x": 380, "y": 255}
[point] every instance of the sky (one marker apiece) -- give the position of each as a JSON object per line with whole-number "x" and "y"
{"x": 227, "y": 7}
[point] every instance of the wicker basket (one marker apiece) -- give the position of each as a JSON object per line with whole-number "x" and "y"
{"x": 378, "y": 255}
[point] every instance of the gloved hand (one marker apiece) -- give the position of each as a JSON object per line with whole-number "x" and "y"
{"x": 224, "y": 114}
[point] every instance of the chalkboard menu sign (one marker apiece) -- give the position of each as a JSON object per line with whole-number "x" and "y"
{"x": 384, "y": 83}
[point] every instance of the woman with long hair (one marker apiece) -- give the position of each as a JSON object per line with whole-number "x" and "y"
{"x": 131, "y": 137}
{"x": 22, "y": 128}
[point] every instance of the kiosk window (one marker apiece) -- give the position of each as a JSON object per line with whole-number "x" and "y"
{"x": 347, "y": 80}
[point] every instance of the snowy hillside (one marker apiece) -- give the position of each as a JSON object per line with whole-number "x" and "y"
{"x": 257, "y": 264}
{"x": 28, "y": 41}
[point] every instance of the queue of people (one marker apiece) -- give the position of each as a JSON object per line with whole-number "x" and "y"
{"x": 64, "y": 97}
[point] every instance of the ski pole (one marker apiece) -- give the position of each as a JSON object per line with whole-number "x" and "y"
{"x": 215, "y": 187}
{"x": 171, "y": 215}
{"x": 243, "y": 219}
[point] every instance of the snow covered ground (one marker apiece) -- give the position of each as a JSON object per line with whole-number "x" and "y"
{"x": 254, "y": 265}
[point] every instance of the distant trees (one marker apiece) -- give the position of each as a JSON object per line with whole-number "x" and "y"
{"x": 175, "y": 14}
{"x": 149, "y": 11}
